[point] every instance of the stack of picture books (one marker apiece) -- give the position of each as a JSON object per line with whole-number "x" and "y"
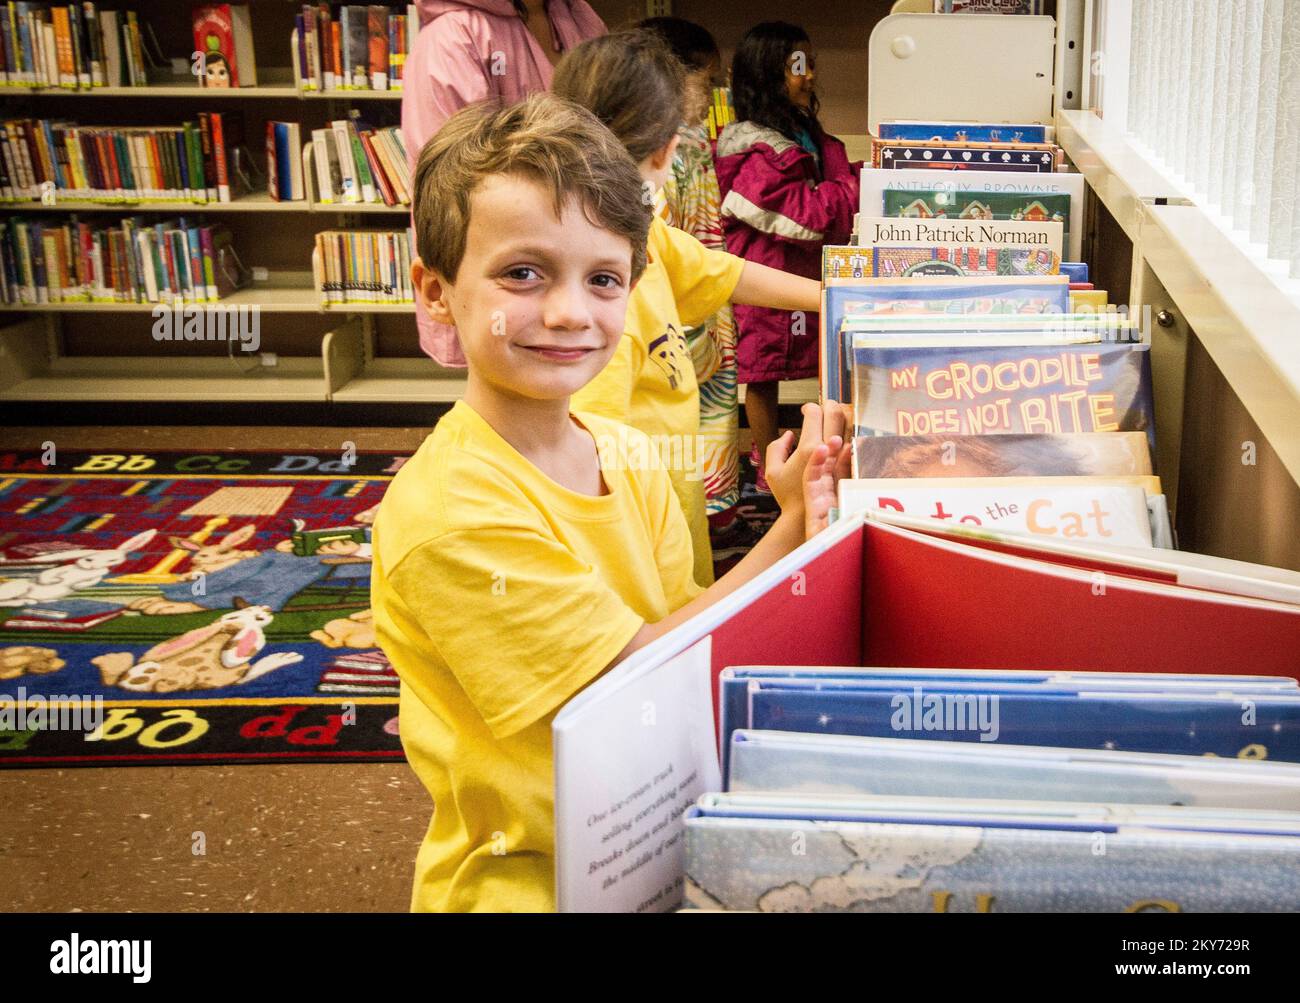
{"x": 364, "y": 266}
{"x": 353, "y": 162}
{"x": 77, "y": 46}
{"x": 989, "y": 6}
{"x": 991, "y": 384}
{"x": 353, "y": 47}
{"x": 131, "y": 261}
{"x": 49, "y": 159}
{"x": 907, "y": 790}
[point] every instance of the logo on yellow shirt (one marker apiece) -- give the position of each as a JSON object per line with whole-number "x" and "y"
{"x": 667, "y": 351}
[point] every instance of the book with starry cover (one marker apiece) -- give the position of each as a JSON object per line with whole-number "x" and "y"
{"x": 1031, "y": 158}
{"x": 823, "y": 853}
{"x": 776, "y": 761}
{"x": 733, "y": 684}
{"x": 1152, "y": 718}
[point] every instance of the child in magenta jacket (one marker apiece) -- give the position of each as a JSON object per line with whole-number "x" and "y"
{"x": 787, "y": 188}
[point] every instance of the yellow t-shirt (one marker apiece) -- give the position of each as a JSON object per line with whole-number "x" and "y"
{"x": 498, "y": 595}
{"x": 650, "y": 382}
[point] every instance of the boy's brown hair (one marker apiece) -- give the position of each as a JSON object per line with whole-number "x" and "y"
{"x": 554, "y": 142}
{"x": 634, "y": 84}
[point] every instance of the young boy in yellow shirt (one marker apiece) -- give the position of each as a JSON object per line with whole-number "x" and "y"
{"x": 633, "y": 83}
{"x": 519, "y": 554}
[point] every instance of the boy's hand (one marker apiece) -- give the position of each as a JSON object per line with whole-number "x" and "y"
{"x": 831, "y": 461}
{"x": 803, "y": 477}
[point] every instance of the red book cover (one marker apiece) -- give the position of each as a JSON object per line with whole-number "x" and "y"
{"x": 377, "y": 23}
{"x": 272, "y": 175}
{"x": 155, "y": 163}
{"x": 377, "y": 169}
{"x": 336, "y": 50}
{"x": 214, "y": 36}
{"x": 219, "y": 155}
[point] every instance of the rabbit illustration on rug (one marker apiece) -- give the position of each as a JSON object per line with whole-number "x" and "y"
{"x": 218, "y": 654}
{"x": 81, "y": 569}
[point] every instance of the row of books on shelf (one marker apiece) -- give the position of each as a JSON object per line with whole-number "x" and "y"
{"x": 197, "y": 161}
{"x": 721, "y": 112}
{"x": 76, "y": 46}
{"x": 353, "y": 48}
{"x": 364, "y": 266}
{"x": 355, "y": 163}
{"x": 933, "y": 790}
{"x": 352, "y": 165}
{"x": 131, "y": 261}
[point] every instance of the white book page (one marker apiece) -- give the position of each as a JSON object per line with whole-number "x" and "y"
{"x": 626, "y": 767}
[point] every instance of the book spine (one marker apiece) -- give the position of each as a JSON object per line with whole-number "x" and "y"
{"x": 364, "y": 178}
{"x": 209, "y": 264}
{"x": 219, "y": 155}
{"x": 80, "y": 47}
{"x": 90, "y": 16}
{"x": 272, "y": 174}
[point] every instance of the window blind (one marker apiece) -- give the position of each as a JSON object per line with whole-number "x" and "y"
{"x": 1214, "y": 93}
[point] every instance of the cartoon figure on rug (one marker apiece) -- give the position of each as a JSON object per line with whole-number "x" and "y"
{"x": 273, "y": 577}
{"x": 355, "y": 631}
{"x": 81, "y": 569}
{"x": 205, "y": 658}
{"x": 26, "y": 658}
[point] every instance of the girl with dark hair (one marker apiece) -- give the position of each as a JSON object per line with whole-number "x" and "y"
{"x": 788, "y": 188}
{"x": 635, "y": 85}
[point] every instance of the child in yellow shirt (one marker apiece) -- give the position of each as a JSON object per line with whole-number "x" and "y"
{"x": 635, "y": 85}
{"x": 523, "y": 550}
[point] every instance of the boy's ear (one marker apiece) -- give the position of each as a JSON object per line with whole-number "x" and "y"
{"x": 432, "y": 292}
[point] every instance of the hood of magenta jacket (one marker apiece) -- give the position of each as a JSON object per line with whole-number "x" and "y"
{"x": 573, "y": 21}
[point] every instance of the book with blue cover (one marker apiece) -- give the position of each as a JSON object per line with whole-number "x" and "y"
{"x": 736, "y": 686}
{"x": 984, "y": 295}
{"x": 1234, "y": 725}
{"x": 787, "y": 762}
{"x": 781, "y": 853}
{"x": 979, "y": 132}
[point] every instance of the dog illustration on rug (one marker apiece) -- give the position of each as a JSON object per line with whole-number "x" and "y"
{"x": 206, "y": 658}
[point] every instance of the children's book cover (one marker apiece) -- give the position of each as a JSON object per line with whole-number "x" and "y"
{"x": 1106, "y": 510}
{"x": 1052, "y": 389}
{"x": 214, "y": 36}
{"x": 947, "y": 155}
{"x": 745, "y": 863}
{"x": 851, "y": 764}
{"x": 977, "y": 132}
{"x": 1082, "y": 454}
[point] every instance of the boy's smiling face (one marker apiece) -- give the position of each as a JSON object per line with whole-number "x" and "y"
{"x": 539, "y": 301}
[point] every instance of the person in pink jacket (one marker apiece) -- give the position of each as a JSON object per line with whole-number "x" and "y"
{"x": 787, "y": 188}
{"x": 481, "y": 50}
